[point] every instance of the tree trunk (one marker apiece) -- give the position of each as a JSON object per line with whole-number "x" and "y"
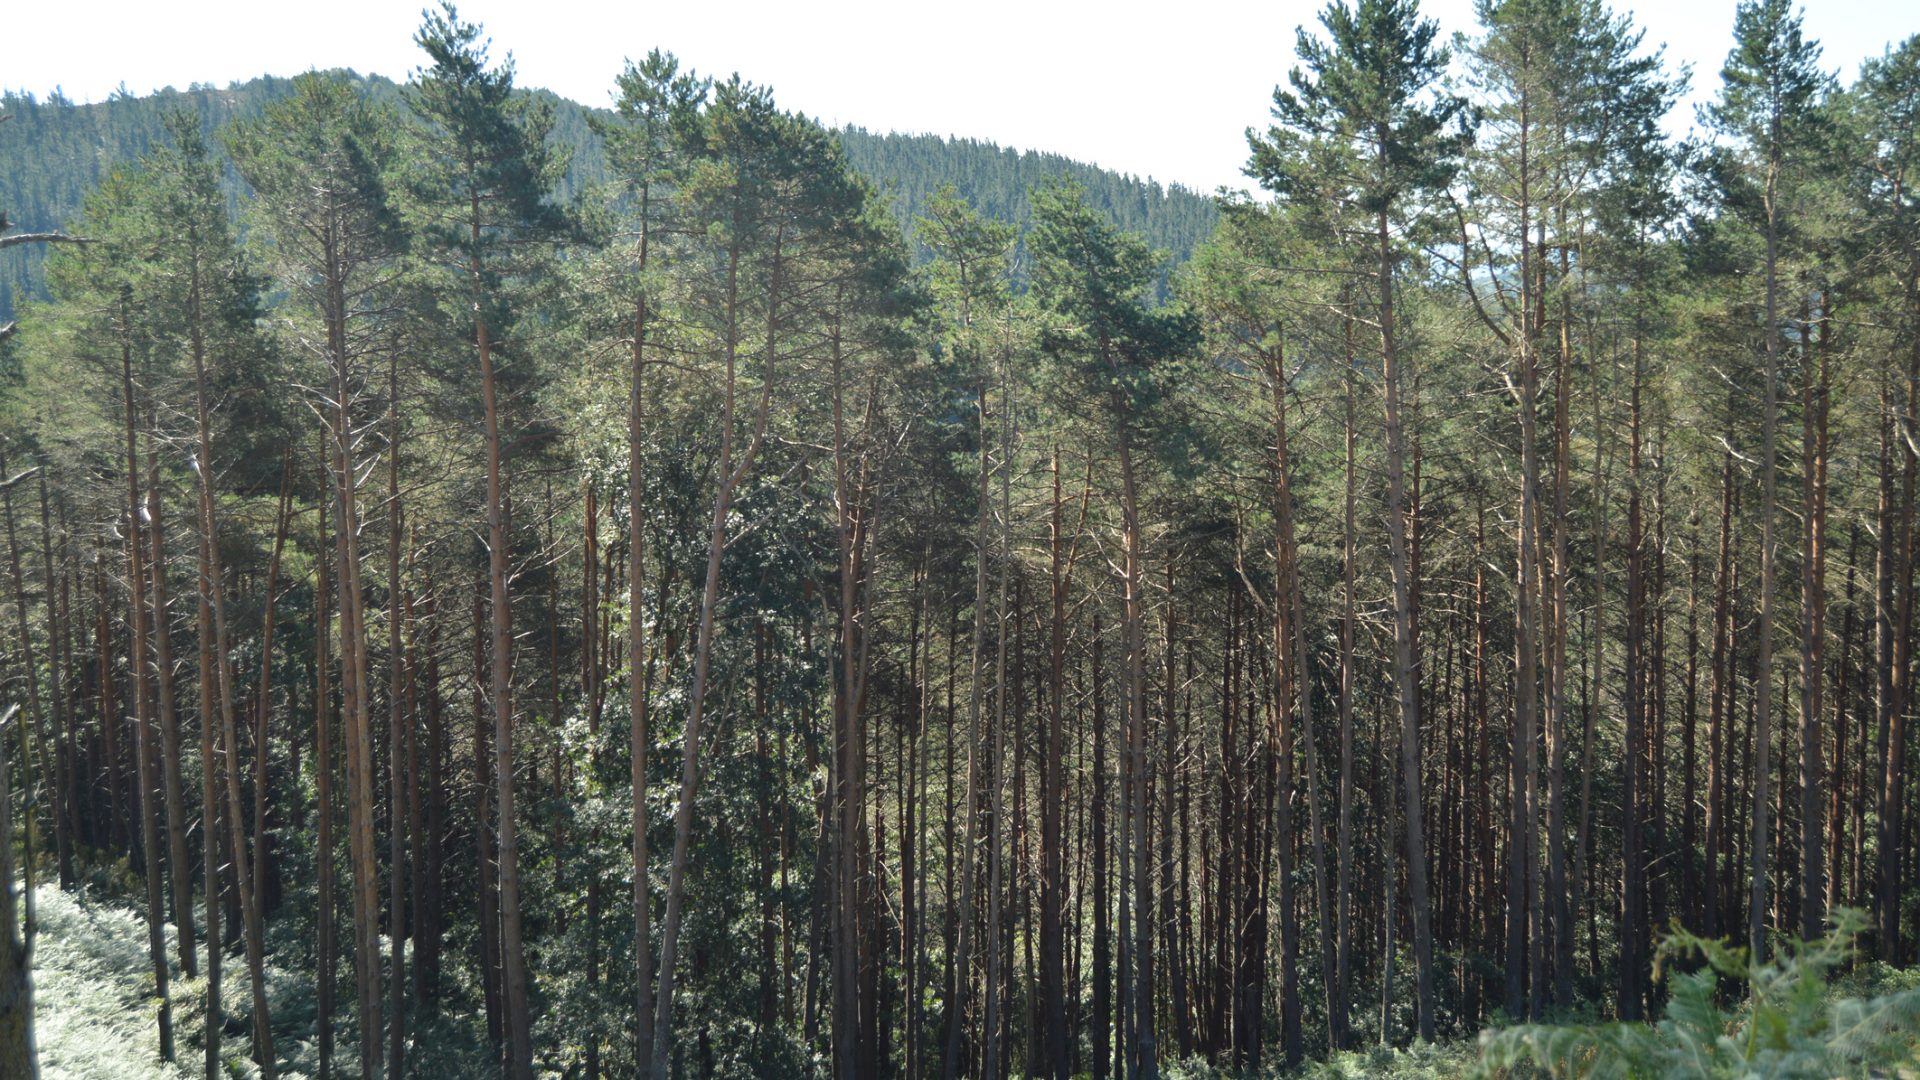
{"x": 1763, "y": 681}
{"x": 1813, "y": 603}
{"x": 213, "y": 584}
{"x": 18, "y": 1057}
{"x": 398, "y": 721}
{"x": 142, "y": 696}
{"x": 180, "y": 870}
{"x": 323, "y": 787}
{"x": 1405, "y": 646}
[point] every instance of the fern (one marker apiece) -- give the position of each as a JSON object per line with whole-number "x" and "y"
{"x": 1790, "y": 1025}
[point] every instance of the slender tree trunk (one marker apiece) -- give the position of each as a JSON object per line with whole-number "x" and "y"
{"x": 851, "y": 530}
{"x": 962, "y": 976}
{"x": 1145, "y": 1054}
{"x": 18, "y": 1056}
{"x": 996, "y": 798}
{"x": 513, "y": 963}
{"x": 37, "y": 724}
{"x": 1405, "y": 646}
{"x": 323, "y": 788}
{"x": 1294, "y": 599}
{"x": 1633, "y": 887}
{"x": 1894, "y": 587}
{"x": 1102, "y": 904}
{"x": 1813, "y": 603}
{"x": 397, "y": 722}
{"x": 214, "y": 586}
{"x": 1342, "y": 994}
{"x": 1559, "y": 889}
{"x": 180, "y": 870}
{"x": 1053, "y": 991}
{"x": 142, "y": 696}
{"x": 1763, "y": 682}
{"x": 65, "y": 708}
{"x": 637, "y": 660}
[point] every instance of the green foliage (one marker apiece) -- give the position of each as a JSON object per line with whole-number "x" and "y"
{"x": 1790, "y": 1024}
{"x": 1363, "y": 124}
{"x": 1094, "y": 280}
{"x": 999, "y": 181}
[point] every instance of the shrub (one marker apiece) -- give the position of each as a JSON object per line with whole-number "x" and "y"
{"x": 1791, "y": 1023}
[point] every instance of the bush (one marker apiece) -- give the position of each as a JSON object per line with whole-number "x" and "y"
{"x": 1792, "y": 1022}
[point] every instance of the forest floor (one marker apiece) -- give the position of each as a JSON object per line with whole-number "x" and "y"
{"x": 94, "y": 1012}
{"x": 92, "y": 983}
{"x": 93, "y": 1004}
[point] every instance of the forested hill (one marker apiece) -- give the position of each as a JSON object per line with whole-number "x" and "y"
{"x": 53, "y": 151}
{"x": 996, "y": 181}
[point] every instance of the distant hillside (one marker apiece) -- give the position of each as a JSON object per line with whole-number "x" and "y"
{"x": 996, "y": 180}
{"x": 52, "y": 152}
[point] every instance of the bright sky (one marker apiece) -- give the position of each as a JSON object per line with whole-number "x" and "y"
{"x": 1164, "y": 91}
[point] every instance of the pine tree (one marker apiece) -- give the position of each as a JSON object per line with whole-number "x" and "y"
{"x": 1771, "y": 101}
{"x": 486, "y": 212}
{"x": 1362, "y": 137}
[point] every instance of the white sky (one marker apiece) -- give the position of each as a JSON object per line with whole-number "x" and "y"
{"x": 1163, "y": 91}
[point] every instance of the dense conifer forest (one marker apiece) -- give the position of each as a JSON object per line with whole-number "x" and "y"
{"x": 496, "y": 587}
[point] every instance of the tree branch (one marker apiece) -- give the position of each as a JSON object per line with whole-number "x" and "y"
{"x": 41, "y": 238}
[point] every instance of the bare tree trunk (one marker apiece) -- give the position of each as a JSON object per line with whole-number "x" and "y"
{"x": 488, "y": 878}
{"x": 1145, "y": 1054}
{"x": 35, "y": 721}
{"x": 513, "y": 963}
{"x": 60, "y": 658}
{"x": 1053, "y": 1006}
{"x": 1558, "y": 885}
{"x": 17, "y": 1054}
{"x": 214, "y": 586}
{"x": 398, "y": 720}
{"x": 1582, "y": 876}
{"x": 851, "y": 528}
{"x": 637, "y": 661}
{"x": 142, "y": 696}
{"x": 1633, "y": 886}
{"x": 323, "y": 785}
{"x": 1895, "y": 592}
{"x": 1405, "y": 647}
{"x": 1523, "y": 930}
{"x": 180, "y": 870}
{"x": 1341, "y": 996}
{"x": 1293, "y": 599}
{"x": 996, "y": 798}
{"x": 1102, "y": 1005}
{"x": 1763, "y": 681}
{"x": 1813, "y": 629}
{"x": 957, "y": 1002}
{"x": 212, "y": 827}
